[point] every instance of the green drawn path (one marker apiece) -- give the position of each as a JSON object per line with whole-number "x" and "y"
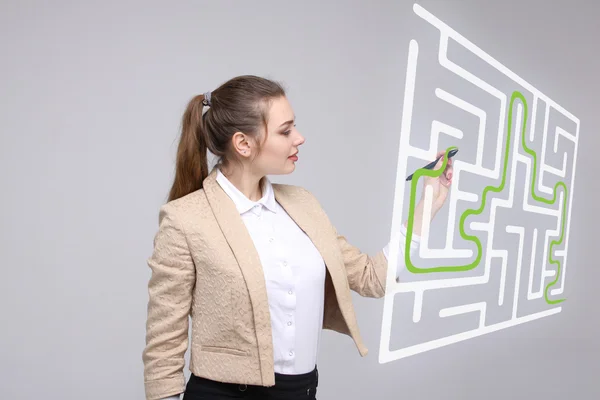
{"x": 497, "y": 189}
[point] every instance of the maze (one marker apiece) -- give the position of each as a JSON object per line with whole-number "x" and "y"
{"x": 496, "y": 255}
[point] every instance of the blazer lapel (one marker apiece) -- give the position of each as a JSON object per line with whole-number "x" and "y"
{"x": 240, "y": 241}
{"x": 309, "y": 221}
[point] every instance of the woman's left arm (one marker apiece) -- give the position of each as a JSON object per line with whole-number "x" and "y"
{"x": 367, "y": 275}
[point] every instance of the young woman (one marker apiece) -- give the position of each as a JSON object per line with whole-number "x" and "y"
{"x": 257, "y": 266}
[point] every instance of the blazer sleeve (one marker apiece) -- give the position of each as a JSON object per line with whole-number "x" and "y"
{"x": 170, "y": 290}
{"x": 366, "y": 274}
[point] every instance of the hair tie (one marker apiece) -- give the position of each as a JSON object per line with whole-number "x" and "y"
{"x": 206, "y": 100}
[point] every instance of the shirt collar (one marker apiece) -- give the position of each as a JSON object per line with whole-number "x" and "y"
{"x": 243, "y": 203}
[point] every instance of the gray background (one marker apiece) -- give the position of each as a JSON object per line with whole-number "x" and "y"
{"x": 92, "y": 95}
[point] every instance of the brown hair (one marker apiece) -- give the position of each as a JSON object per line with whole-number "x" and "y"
{"x": 239, "y": 105}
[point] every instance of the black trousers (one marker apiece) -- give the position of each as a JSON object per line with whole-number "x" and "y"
{"x": 287, "y": 387}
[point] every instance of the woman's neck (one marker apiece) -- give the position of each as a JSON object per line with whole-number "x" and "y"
{"x": 246, "y": 182}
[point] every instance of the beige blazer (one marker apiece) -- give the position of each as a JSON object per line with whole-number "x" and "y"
{"x": 204, "y": 265}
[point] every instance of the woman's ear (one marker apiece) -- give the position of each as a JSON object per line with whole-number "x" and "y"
{"x": 240, "y": 144}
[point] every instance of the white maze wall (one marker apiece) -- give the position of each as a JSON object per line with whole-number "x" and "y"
{"x": 512, "y": 190}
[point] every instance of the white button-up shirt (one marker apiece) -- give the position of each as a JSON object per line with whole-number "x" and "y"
{"x": 294, "y": 277}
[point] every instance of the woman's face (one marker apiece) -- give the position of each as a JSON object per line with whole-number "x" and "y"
{"x": 279, "y": 152}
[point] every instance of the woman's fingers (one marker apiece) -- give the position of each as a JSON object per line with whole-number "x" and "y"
{"x": 449, "y": 170}
{"x": 446, "y": 176}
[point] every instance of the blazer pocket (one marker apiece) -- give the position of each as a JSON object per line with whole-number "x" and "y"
{"x": 226, "y": 350}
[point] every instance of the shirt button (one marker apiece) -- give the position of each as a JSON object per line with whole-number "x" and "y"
{"x": 285, "y": 263}
{"x": 291, "y": 353}
{"x": 271, "y": 240}
{"x": 291, "y": 292}
{"x": 289, "y": 323}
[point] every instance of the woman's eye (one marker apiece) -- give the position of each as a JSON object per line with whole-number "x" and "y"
{"x": 288, "y": 132}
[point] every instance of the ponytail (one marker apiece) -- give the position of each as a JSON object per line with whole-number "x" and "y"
{"x": 191, "y": 165}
